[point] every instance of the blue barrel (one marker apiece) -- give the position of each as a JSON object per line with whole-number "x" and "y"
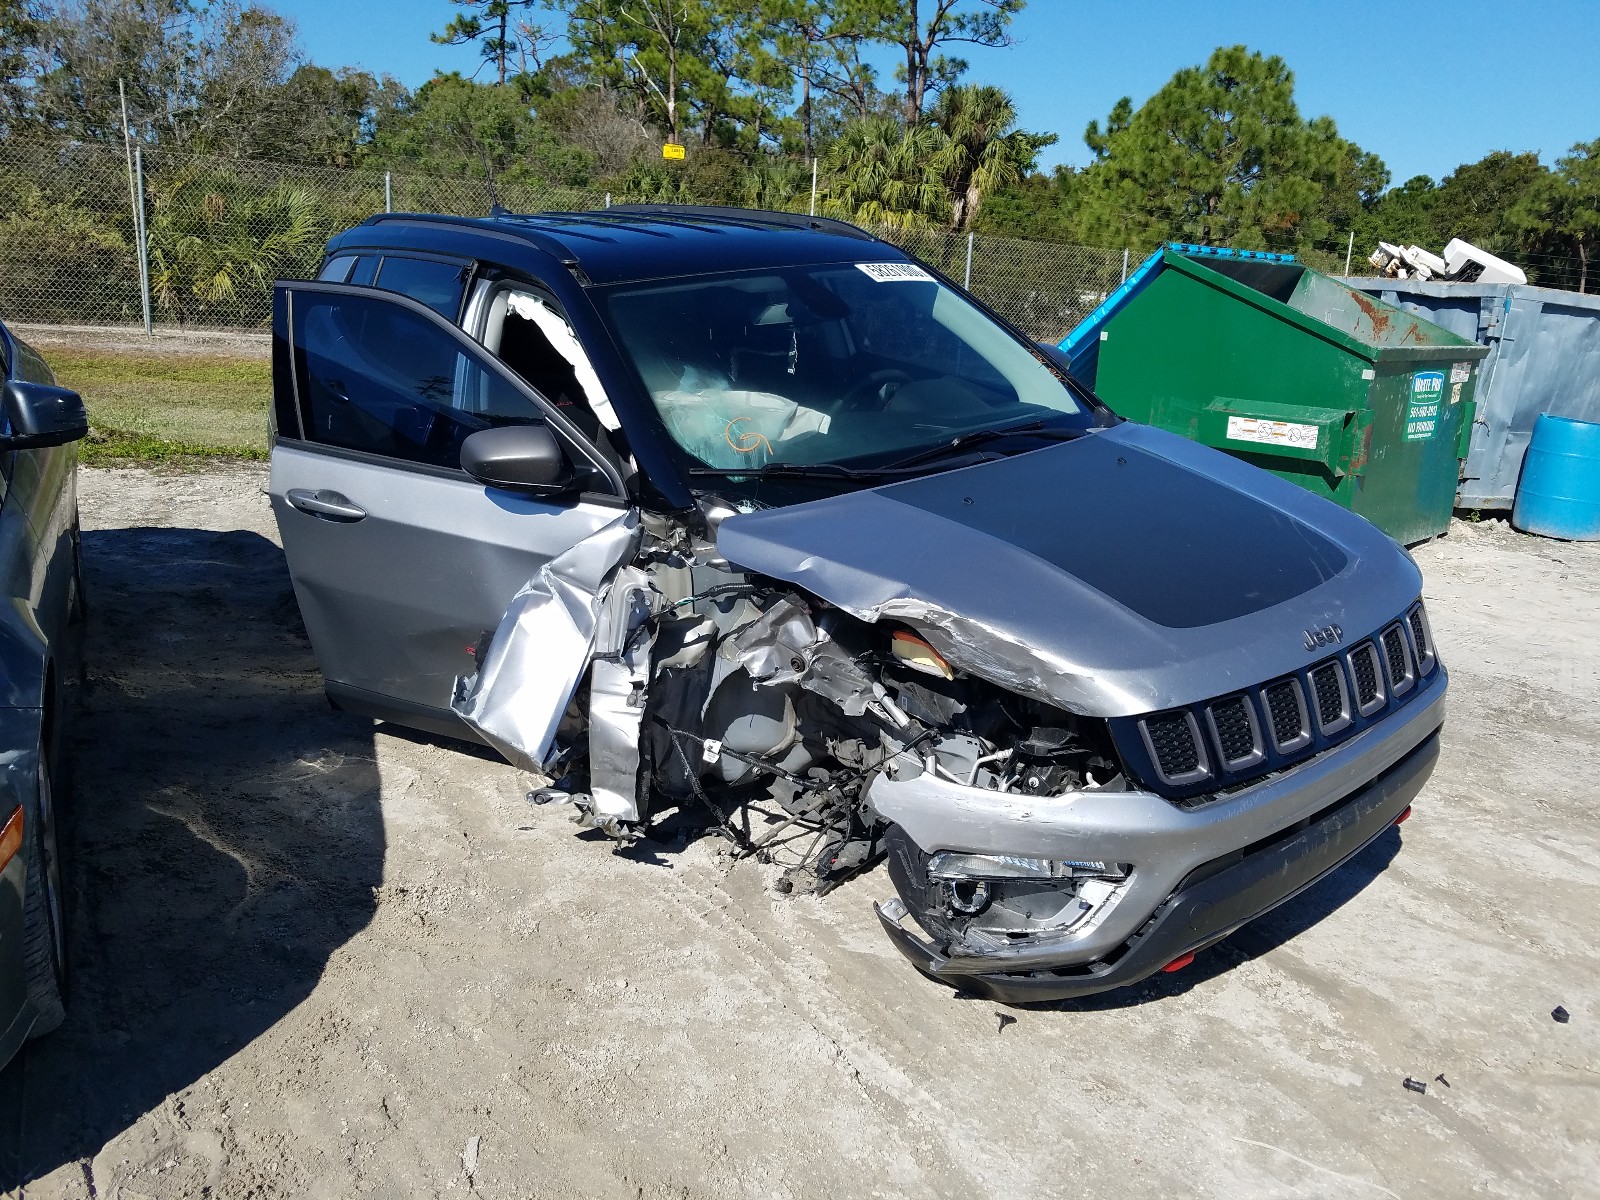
{"x": 1559, "y": 492}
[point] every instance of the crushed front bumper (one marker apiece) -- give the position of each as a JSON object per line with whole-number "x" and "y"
{"x": 1214, "y": 899}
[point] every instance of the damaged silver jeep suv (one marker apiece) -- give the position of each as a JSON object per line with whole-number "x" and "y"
{"x": 694, "y": 509}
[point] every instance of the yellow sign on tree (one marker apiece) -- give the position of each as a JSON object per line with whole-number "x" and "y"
{"x": 672, "y": 150}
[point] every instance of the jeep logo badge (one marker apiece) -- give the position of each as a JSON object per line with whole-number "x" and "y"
{"x": 1327, "y": 635}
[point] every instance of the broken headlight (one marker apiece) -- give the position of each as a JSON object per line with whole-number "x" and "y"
{"x": 949, "y": 866}
{"x": 1048, "y": 895}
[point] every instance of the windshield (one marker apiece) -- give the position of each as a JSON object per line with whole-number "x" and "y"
{"x": 854, "y": 364}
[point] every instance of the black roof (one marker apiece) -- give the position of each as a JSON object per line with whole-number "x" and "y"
{"x": 649, "y": 241}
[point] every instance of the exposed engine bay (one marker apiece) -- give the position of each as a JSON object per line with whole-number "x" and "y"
{"x": 645, "y": 675}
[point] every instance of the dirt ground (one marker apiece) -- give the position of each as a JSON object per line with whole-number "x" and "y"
{"x": 317, "y": 958}
{"x": 132, "y": 339}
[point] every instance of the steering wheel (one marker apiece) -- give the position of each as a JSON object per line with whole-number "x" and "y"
{"x": 874, "y": 386}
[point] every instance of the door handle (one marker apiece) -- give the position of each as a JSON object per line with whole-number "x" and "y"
{"x": 325, "y": 505}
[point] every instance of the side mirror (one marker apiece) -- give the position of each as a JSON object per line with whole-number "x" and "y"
{"x": 519, "y": 458}
{"x": 38, "y": 415}
{"x": 1056, "y": 355}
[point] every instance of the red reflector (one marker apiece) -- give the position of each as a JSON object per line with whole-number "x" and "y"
{"x": 1402, "y": 817}
{"x": 1179, "y": 963}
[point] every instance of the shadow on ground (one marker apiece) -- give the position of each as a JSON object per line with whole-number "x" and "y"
{"x": 226, "y": 837}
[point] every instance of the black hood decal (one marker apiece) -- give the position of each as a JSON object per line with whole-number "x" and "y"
{"x": 1175, "y": 547}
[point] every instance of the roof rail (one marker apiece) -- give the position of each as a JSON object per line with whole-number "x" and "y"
{"x": 484, "y": 225}
{"x": 747, "y": 217}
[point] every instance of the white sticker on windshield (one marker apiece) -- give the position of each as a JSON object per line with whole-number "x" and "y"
{"x": 895, "y": 272}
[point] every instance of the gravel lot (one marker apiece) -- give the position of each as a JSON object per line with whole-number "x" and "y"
{"x": 319, "y": 958}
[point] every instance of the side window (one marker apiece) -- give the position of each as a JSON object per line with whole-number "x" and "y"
{"x": 439, "y": 285}
{"x": 376, "y": 377}
{"x": 349, "y": 268}
{"x": 337, "y": 270}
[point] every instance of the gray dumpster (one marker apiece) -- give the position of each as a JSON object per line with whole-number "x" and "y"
{"x": 1544, "y": 356}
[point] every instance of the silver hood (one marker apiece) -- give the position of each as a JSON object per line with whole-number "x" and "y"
{"x": 1127, "y": 571}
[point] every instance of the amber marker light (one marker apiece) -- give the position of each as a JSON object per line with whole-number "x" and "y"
{"x": 11, "y": 838}
{"x": 918, "y": 655}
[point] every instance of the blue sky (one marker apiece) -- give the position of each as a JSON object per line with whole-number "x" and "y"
{"x": 1426, "y": 84}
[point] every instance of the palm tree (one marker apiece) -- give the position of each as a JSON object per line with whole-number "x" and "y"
{"x": 982, "y": 151}
{"x": 216, "y": 245}
{"x": 883, "y": 173}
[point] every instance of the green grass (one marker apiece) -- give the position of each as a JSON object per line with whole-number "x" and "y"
{"x": 171, "y": 409}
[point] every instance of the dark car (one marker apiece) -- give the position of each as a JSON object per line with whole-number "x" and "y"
{"x": 684, "y": 507}
{"x": 40, "y": 571}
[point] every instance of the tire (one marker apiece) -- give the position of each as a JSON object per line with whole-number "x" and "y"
{"x": 44, "y": 939}
{"x": 78, "y": 605}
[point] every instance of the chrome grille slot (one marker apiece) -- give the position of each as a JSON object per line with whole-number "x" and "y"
{"x": 1421, "y": 640}
{"x": 1235, "y": 732}
{"x": 1365, "y": 670}
{"x": 1173, "y": 739}
{"x": 1397, "y": 660}
{"x": 1286, "y": 713}
{"x": 1332, "y": 697}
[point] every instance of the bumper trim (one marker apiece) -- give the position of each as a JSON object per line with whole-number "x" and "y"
{"x": 1212, "y": 903}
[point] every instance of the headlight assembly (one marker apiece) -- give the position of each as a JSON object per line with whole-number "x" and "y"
{"x": 952, "y": 866}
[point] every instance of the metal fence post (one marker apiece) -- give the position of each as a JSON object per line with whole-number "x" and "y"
{"x": 388, "y": 193}
{"x": 141, "y": 232}
{"x": 968, "y": 283}
{"x": 1349, "y": 250}
{"x": 1124, "y": 265}
{"x": 608, "y": 199}
{"x": 135, "y": 201}
{"x": 813, "y": 187}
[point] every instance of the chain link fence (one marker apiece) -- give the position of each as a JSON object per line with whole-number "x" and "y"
{"x": 1044, "y": 288}
{"x": 219, "y": 231}
{"x": 67, "y": 242}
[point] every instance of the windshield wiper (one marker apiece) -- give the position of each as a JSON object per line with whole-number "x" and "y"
{"x": 905, "y": 466}
{"x": 783, "y": 470}
{"x": 965, "y": 441}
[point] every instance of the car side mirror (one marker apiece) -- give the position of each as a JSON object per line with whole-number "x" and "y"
{"x": 39, "y": 415}
{"x": 1056, "y": 355}
{"x": 519, "y": 458}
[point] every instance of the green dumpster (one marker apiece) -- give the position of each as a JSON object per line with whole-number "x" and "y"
{"x": 1289, "y": 369}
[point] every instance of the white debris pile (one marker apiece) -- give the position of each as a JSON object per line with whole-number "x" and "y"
{"x": 1462, "y": 263}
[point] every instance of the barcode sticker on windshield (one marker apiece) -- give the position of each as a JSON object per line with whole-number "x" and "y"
{"x": 1272, "y": 433}
{"x": 895, "y": 272}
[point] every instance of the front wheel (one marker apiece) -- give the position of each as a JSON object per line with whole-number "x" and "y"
{"x": 44, "y": 941}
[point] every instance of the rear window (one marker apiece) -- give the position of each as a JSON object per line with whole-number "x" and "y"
{"x": 336, "y": 270}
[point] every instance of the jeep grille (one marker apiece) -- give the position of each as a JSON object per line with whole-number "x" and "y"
{"x": 1247, "y": 733}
